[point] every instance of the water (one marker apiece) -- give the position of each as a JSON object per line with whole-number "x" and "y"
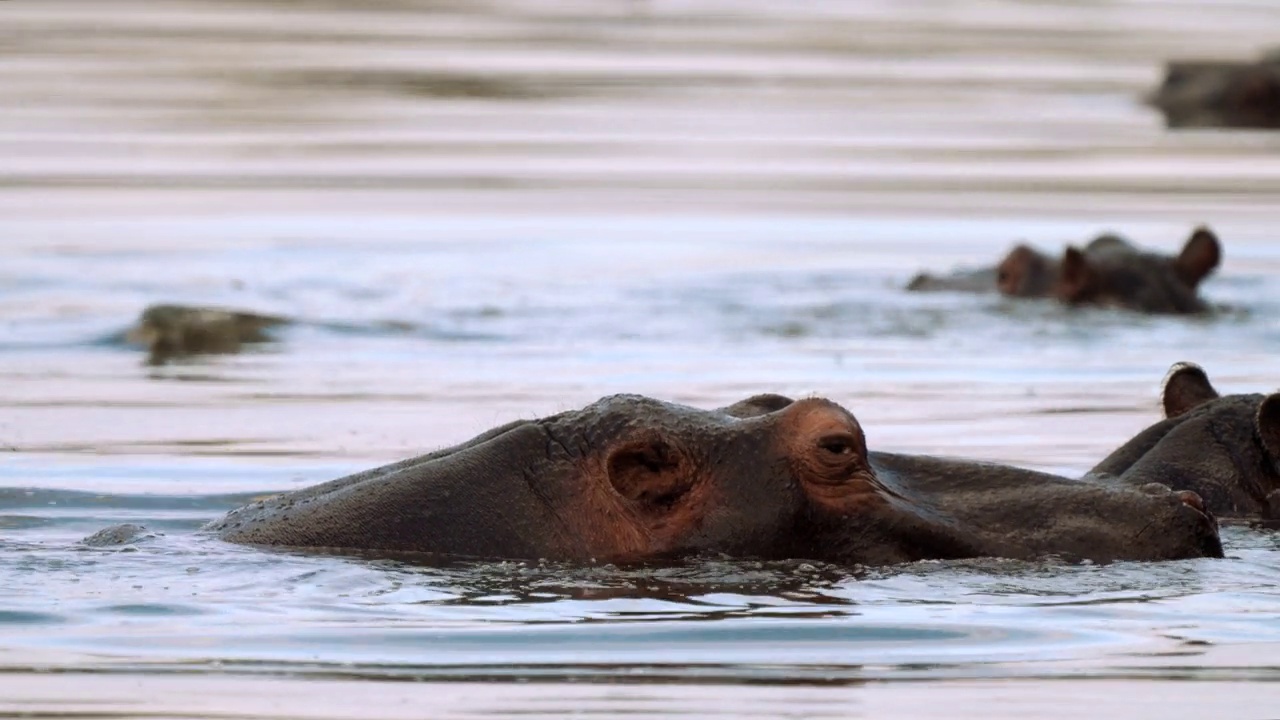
{"x": 500, "y": 210}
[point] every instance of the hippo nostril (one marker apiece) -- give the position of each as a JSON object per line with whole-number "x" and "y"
{"x": 1191, "y": 499}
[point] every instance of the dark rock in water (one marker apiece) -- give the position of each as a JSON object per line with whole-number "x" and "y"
{"x": 116, "y": 535}
{"x": 1215, "y": 94}
{"x": 174, "y": 331}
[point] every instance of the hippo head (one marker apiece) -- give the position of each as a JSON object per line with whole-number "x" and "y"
{"x": 1144, "y": 281}
{"x": 1220, "y": 94}
{"x": 1026, "y": 272}
{"x": 625, "y": 478}
{"x": 630, "y": 478}
{"x": 1224, "y": 448}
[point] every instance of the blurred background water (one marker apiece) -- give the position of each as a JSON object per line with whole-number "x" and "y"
{"x": 489, "y": 210}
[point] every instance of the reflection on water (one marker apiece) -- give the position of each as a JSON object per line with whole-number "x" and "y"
{"x": 264, "y": 611}
{"x": 477, "y": 212}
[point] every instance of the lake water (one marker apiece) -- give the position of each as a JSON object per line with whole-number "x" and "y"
{"x": 492, "y": 210}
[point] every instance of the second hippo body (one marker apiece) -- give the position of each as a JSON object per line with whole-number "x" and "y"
{"x": 1220, "y": 94}
{"x": 1225, "y": 448}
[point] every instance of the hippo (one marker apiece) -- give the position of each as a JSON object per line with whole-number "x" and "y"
{"x": 1108, "y": 271}
{"x": 1226, "y": 449}
{"x": 633, "y": 479}
{"x": 175, "y": 331}
{"x": 1120, "y": 275}
{"x": 1215, "y": 94}
{"x": 1023, "y": 272}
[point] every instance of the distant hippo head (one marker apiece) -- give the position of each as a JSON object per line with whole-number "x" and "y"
{"x": 1224, "y": 448}
{"x": 629, "y": 478}
{"x": 1144, "y": 281}
{"x": 1197, "y": 94}
{"x": 1027, "y": 272}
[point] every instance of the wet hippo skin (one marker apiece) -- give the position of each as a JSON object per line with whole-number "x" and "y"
{"x": 629, "y": 478}
{"x": 1225, "y": 448}
{"x": 1215, "y": 94}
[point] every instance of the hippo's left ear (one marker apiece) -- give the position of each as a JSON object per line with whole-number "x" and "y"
{"x": 1076, "y": 276}
{"x": 1267, "y": 424}
{"x": 650, "y": 471}
{"x": 1199, "y": 257}
{"x": 1186, "y": 386}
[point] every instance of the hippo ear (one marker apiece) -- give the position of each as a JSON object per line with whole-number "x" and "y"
{"x": 756, "y": 405}
{"x": 1199, "y": 257}
{"x": 1186, "y": 386}
{"x": 651, "y": 472}
{"x": 1267, "y": 423}
{"x": 1076, "y": 275}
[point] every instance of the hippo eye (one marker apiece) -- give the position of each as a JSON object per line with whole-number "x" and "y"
{"x": 840, "y": 445}
{"x": 1002, "y": 277}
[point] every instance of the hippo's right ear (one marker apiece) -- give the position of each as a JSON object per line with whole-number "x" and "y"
{"x": 1267, "y": 423}
{"x": 650, "y": 471}
{"x": 1076, "y": 276}
{"x": 1199, "y": 257}
{"x": 1186, "y": 386}
{"x": 756, "y": 405}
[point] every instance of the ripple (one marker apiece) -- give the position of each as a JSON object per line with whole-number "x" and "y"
{"x": 22, "y": 617}
{"x": 151, "y": 610}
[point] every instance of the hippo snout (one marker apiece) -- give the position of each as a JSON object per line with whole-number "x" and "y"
{"x": 1205, "y": 528}
{"x": 1190, "y": 498}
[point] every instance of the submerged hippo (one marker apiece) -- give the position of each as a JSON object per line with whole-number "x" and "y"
{"x": 629, "y": 478}
{"x": 174, "y": 331}
{"x": 1200, "y": 94}
{"x": 1109, "y": 271}
{"x": 1121, "y": 275}
{"x": 1225, "y": 449}
{"x": 1023, "y": 272}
